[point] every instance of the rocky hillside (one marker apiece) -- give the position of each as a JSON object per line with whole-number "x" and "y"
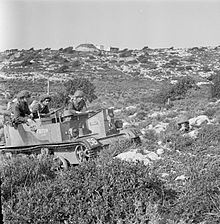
{"x": 171, "y": 170}
{"x": 155, "y": 64}
{"x": 115, "y": 73}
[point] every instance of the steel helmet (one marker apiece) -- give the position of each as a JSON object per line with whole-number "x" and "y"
{"x": 44, "y": 97}
{"x": 183, "y": 119}
{"x": 23, "y": 94}
{"x": 79, "y": 93}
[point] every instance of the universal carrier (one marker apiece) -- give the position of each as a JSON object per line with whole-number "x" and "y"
{"x": 72, "y": 138}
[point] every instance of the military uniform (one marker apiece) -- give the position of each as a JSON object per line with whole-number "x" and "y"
{"x": 41, "y": 109}
{"x": 20, "y": 112}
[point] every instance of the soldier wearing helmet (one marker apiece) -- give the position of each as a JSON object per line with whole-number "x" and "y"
{"x": 41, "y": 108}
{"x": 183, "y": 123}
{"x": 77, "y": 101}
{"x": 20, "y": 110}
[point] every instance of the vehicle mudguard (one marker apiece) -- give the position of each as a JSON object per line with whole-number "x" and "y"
{"x": 131, "y": 133}
{"x": 90, "y": 142}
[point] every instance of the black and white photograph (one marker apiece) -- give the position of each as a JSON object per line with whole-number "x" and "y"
{"x": 110, "y": 111}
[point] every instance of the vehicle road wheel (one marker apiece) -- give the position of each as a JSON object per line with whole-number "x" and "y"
{"x": 81, "y": 152}
{"x": 137, "y": 140}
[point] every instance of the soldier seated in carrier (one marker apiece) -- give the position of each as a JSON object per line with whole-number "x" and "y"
{"x": 20, "y": 109}
{"x": 41, "y": 108}
{"x": 77, "y": 102}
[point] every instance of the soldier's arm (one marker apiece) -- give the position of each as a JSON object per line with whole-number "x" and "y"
{"x": 69, "y": 106}
{"x": 35, "y": 110}
{"x": 83, "y": 106}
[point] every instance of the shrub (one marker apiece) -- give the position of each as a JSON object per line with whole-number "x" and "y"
{"x": 176, "y": 91}
{"x": 126, "y": 53}
{"x": 62, "y": 69}
{"x": 83, "y": 84}
{"x": 210, "y": 112}
{"x": 76, "y": 63}
{"x": 215, "y": 87}
{"x": 90, "y": 193}
{"x": 141, "y": 115}
{"x": 59, "y": 99}
{"x": 197, "y": 194}
{"x": 150, "y": 137}
{"x": 199, "y": 197}
{"x": 22, "y": 172}
{"x": 142, "y": 59}
{"x": 182, "y": 86}
{"x": 163, "y": 95}
{"x": 209, "y": 135}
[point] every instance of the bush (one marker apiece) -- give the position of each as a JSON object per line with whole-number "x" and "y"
{"x": 21, "y": 172}
{"x": 83, "y": 84}
{"x": 59, "y": 99}
{"x": 62, "y": 69}
{"x": 176, "y": 91}
{"x": 76, "y": 63}
{"x": 197, "y": 194}
{"x": 215, "y": 87}
{"x": 116, "y": 191}
{"x": 209, "y": 135}
{"x": 210, "y": 112}
{"x": 163, "y": 95}
{"x": 126, "y": 53}
{"x": 142, "y": 59}
{"x": 199, "y": 197}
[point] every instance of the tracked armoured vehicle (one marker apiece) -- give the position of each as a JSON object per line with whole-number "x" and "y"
{"x": 71, "y": 138}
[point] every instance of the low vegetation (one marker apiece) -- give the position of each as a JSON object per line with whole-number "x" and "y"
{"x": 108, "y": 190}
{"x": 183, "y": 187}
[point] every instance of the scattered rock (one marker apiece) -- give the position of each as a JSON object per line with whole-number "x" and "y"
{"x": 153, "y": 156}
{"x": 159, "y": 127}
{"x": 164, "y": 174}
{"x": 134, "y": 157}
{"x": 181, "y": 177}
{"x": 160, "y": 151}
{"x": 193, "y": 134}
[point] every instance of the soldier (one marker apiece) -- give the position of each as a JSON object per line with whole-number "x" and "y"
{"x": 183, "y": 124}
{"x": 77, "y": 101}
{"x": 20, "y": 110}
{"x": 41, "y": 108}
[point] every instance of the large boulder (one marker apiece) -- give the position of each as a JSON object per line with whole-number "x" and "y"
{"x": 134, "y": 156}
{"x": 199, "y": 121}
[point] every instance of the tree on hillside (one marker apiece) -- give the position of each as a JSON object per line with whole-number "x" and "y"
{"x": 69, "y": 87}
{"x": 81, "y": 84}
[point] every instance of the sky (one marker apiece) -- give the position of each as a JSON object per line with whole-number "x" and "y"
{"x": 131, "y": 24}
